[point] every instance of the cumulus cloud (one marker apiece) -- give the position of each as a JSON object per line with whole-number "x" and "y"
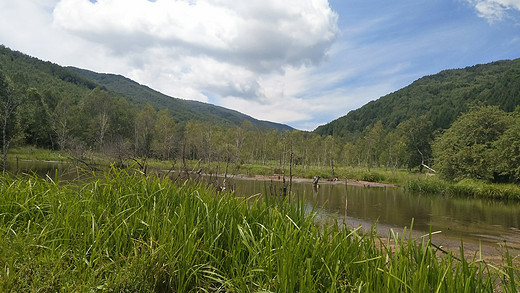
{"x": 215, "y": 46}
{"x": 219, "y": 51}
{"x": 494, "y": 10}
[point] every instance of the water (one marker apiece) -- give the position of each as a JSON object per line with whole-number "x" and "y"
{"x": 52, "y": 169}
{"x": 474, "y": 221}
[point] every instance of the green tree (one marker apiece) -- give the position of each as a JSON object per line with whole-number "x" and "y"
{"x": 144, "y": 131}
{"x": 506, "y": 153}
{"x": 372, "y": 144}
{"x": 393, "y": 152}
{"x": 62, "y": 121}
{"x": 8, "y": 106}
{"x": 466, "y": 149}
{"x": 97, "y": 110}
{"x": 416, "y": 134}
{"x": 36, "y": 121}
{"x": 164, "y": 136}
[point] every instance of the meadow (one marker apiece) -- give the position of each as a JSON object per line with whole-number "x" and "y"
{"x": 123, "y": 231}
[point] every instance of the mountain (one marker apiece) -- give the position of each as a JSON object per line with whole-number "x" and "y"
{"x": 181, "y": 110}
{"x": 440, "y": 98}
{"x": 29, "y": 72}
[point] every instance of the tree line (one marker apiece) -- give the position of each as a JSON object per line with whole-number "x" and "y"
{"x": 482, "y": 143}
{"x": 116, "y": 127}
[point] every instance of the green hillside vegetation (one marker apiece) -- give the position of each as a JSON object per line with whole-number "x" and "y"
{"x": 439, "y": 98}
{"x": 399, "y": 129}
{"x": 181, "y": 110}
{"x": 53, "y": 80}
{"x": 59, "y": 109}
{"x": 48, "y": 106}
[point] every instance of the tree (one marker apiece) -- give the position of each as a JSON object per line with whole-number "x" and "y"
{"x": 8, "y": 106}
{"x": 506, "y": 154}
{"x": 372, "y": 143}
{"x": 62, "y": 121}
{"x": 164, "y": 136}
{"x": 416, "y": 135}
{"x": 144, "y": 130}
{"x": 466, "y": 149}
{"x": 393, "y": 152}
{"x": 97, "y": 109}
{"x": 36, "y": 121}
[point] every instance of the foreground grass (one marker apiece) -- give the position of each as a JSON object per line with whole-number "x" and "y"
{"x": 131, "y": 233}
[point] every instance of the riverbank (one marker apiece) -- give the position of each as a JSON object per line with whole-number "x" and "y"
{"x": 376, "y": 177}
{"x": 129, "y": 232}
{"x": 279, "y": 178}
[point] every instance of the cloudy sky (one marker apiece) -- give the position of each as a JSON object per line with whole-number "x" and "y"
{"x": 299, "y": 62}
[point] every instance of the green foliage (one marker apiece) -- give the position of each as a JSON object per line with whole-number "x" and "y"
{"x": 464, "y": 188}
{"x": 9, "y": 124}
{"x": 95, "y": 95}
{"x": 416, "y": 136}
{"x": 181, "y": 110}
{"x": 440, "y": 98}
{"x": 126, "y": 233}
{"x": 419, "y": 111}
{"x": 467, "y": 148}
{"x": 506, "y": 154}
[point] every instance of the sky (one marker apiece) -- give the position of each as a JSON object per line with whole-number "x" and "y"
{"x": 299, "y": 62}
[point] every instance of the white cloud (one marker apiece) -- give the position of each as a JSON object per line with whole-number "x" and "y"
{"x": 217, "y": 51}
{"x": 262, "y": 36}
{"x": 494, "y": 10}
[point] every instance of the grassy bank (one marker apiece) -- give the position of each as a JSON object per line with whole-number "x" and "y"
{"x": 465, "y": 188}
{"x": 127, "y": 233}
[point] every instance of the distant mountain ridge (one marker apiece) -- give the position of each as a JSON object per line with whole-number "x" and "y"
{"x": 440, "y": 98}
{"x": 181, "y": 110}
{"x": 27, "y": 72}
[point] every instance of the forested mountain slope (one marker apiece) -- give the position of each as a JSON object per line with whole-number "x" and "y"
{"x": 53, "y": 80}
{"x": 439, "y": 98}
{"x": 181, "y": 110}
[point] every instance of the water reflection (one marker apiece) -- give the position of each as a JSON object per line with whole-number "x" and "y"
{"x": 475, "y": 220}
{"x": 53, "y": 169}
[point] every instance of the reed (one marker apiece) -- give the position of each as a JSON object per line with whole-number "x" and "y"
{"x": 126, "y": 232}
{"x": 465, "y": 188}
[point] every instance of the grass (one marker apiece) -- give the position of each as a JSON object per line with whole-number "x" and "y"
{"x": 39, "y": 154}
{"x": 126, "y": 232}
{"x": 465, "y": 188}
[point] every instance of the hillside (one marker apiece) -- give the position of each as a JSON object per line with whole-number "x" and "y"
{"x": 181, "y": 110}
{"x": 440, "y": 97}
{"x": 29, "y": 72}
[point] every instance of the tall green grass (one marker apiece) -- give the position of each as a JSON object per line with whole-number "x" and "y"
{"x": 127, "y": 232}
{"x": 465, "y": 188}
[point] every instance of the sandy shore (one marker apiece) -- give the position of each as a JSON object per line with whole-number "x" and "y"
{"x": 309, "y": 180}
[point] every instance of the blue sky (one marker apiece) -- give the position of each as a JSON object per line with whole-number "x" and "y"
{"x": 299, "y": 62}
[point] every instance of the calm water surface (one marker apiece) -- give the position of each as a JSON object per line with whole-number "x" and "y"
{"x": 476, "y": 221}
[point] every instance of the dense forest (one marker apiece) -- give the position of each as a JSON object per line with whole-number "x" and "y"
{"x": 49, "y": 78}
{"x": 439, "y": 98}
{"x": 181, "y": 110}
{"x": 48, "y": 106}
